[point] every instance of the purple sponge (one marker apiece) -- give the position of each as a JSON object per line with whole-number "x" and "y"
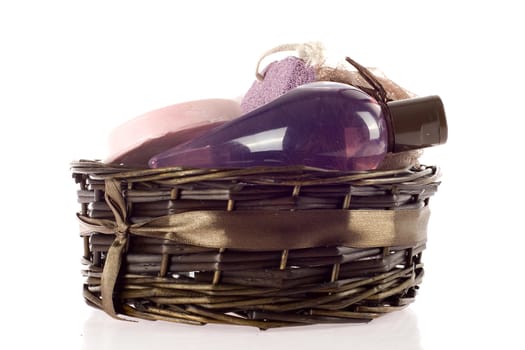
{"x": 279, "y": 77}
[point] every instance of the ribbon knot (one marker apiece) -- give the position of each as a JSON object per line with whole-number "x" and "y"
{"x": 117, "y": 204}
{"x": 122, "y": 230}
{"x": 111, "y": 271}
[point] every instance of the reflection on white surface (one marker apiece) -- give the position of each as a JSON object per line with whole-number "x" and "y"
{"x": 398, "y": 330}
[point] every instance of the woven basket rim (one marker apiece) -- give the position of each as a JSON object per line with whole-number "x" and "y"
{"x": 274, "y": 175}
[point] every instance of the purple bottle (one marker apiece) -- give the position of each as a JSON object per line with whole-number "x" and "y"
{"x": 324, "y": 125}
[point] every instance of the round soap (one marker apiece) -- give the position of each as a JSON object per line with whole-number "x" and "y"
{"x": 136, "y": 141}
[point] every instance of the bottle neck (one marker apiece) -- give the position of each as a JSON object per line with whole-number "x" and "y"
{"x": 418, "y": 123}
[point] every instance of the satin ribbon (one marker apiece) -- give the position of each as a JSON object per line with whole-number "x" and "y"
{"x": 253, "y": 230}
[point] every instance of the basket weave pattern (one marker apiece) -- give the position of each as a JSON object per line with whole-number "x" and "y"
{"x": 263, "y": 247}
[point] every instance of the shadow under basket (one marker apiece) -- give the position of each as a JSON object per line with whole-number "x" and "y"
{"x": 263, "y": 247}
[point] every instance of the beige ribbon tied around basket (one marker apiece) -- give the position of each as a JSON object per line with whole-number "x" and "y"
{"x": 253, "y": 230}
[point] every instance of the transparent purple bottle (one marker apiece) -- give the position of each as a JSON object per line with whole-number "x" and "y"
{"x": 324, "y": 125}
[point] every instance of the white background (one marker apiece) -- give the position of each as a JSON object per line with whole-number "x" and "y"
{"x": 71, "y": 71}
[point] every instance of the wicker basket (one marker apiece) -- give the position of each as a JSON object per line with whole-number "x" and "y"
{"x": 263, "y": 247}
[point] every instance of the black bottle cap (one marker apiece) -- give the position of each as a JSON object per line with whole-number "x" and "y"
{"x": 418, "y": 122}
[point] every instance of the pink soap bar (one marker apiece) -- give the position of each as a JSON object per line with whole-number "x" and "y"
{"x": 136, "y": 141}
